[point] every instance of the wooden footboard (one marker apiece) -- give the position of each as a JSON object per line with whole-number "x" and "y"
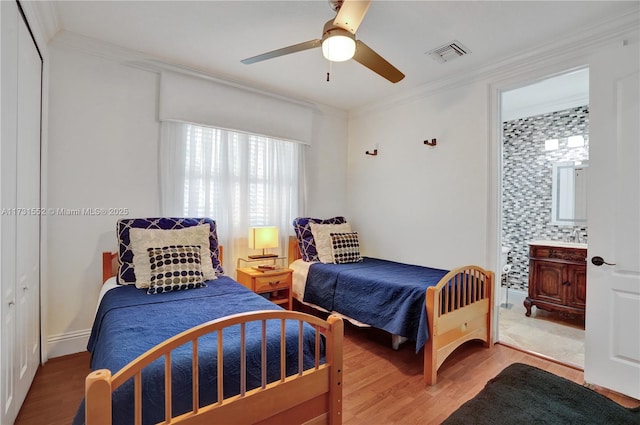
{"x": 309, "y": 396}
{"x": 459, "y": 309}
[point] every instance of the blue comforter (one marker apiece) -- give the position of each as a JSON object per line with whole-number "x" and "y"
{"x": 380, "y": 293}
{"x": 129, "y": 322}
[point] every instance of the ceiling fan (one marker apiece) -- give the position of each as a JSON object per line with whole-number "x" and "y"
{"x": 339, "y": 42}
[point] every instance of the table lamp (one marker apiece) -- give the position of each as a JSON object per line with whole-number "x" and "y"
{"x": 263, "y": 237}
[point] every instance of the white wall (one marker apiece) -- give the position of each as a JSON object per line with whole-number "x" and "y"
{"x": 103, "y": 136}
{"x": 102, "y": 154}
{"x": 415, "y": 203}
{"x": 326, "y": 164}
{"x": 439, "y": 206}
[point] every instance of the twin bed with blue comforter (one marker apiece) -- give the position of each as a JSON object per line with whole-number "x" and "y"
{"x": 437, "y": 309}
{"x": 215, "y": 351}
{"x": 129, "y": 321}
{"x": 381, "y": 293}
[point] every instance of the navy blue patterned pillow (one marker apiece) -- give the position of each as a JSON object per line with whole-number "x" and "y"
{"x": 175, "y": 268}
{"x": 346, "y": 248}
{"x": 126, "y": 272}
{"x": 306, "y": 243}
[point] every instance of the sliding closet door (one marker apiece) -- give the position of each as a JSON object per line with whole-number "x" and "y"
{"x": 28, "y": 195}
{"x": 8, "y": 153}
{"x": 20, "y": 91}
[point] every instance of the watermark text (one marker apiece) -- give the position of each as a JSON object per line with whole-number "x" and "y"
{"x": 99, "y": 211}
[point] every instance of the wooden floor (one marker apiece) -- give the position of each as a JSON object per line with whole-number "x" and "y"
{"x": 381, "y": 386}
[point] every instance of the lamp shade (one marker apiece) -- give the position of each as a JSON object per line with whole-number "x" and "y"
{"x": 263, "y": 237}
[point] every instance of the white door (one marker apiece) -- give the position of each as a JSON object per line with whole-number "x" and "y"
{"x": 612, "y": 352}
{"x": 27, "y": 243}
{"x": 8, "y": 151}
{"x": 20, "y": 88}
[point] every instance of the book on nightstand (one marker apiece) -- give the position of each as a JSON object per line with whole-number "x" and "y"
{"x": 266, "y": 267}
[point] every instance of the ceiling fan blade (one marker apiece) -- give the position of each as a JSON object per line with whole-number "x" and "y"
{"x": 284, "y": 51}
{"x": 367, "y": 57}
{"x": 351, "y": 13}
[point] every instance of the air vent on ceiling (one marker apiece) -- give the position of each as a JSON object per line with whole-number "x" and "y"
{"x": 448, "y": 52}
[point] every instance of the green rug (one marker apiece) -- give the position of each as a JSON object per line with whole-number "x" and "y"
{"x": 523, "y": 394}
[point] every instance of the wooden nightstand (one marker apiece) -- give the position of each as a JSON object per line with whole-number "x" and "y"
{"x": 276, "y": 283}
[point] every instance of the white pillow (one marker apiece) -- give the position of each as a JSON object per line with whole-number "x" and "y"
{"x": 142, "y": 239}
{"x": 322, "y": 238}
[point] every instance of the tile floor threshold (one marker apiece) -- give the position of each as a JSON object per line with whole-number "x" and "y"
{"x": 545, "y": 334}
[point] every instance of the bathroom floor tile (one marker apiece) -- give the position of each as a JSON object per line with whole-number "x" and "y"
{"x": 545, "y": 333}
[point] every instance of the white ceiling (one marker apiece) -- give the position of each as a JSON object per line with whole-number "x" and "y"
{"x": 213, "y": 36}
{"x": 557, "y": 93}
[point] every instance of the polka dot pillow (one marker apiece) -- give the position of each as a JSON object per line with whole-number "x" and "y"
{"x": 175, "y": 268}
{"x": 126, "y": 268}
{"x": 346, "y": 247}
{"x": 306, "y": 243}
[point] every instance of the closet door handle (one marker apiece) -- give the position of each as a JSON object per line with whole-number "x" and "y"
{"x": 12, "y": 302}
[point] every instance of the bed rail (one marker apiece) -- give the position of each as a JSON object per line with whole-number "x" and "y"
{"x": 459, "y": 309}
{"x": 314, "y": 394}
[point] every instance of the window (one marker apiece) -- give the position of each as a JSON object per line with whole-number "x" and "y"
{"x": 238, "y": 179}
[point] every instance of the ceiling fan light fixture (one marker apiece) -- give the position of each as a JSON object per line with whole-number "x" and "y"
{"x": 338, "y": 45}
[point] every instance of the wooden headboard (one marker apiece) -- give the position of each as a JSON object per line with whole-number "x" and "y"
{"x": 110, "y": 264}
{"x": 293, "y": 250}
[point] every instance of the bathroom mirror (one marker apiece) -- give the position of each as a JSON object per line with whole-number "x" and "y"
{"x": 569, "y": 193}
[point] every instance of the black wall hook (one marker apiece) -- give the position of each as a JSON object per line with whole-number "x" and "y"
{"x": 433, "y": 142}
{"x": 374, "y": 153}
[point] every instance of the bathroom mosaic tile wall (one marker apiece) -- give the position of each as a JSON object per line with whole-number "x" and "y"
{"x": 527, "y": 181}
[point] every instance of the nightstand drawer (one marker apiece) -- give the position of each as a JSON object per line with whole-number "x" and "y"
{"x": 272, "y": 282}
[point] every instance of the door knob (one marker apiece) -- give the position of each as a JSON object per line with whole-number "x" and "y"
{"x": 598, "y": 261}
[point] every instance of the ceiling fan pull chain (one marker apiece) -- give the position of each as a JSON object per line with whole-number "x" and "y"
{"x": 328, "y": 73}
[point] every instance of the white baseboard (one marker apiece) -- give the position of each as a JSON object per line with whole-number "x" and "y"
{"x": 67, "y": 343}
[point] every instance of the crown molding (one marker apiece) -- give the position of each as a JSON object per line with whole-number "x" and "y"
{"x": 43, "y": 20}
{"x": 576, "y": 46}
{"x": 92, "y": 46}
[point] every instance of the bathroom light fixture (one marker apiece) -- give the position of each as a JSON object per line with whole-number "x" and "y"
{"x": 551, "y": 145}
{"x": 338, "y": 45}
{"x": 575, "y": 141}
{"x": 263, "y": 237}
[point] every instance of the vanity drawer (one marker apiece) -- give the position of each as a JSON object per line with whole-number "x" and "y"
{"x": 558, "y": 253}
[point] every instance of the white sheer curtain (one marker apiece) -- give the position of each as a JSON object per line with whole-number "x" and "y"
{"x": 238, "y": 179}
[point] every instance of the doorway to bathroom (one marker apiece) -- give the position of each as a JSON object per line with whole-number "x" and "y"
{"x": 545, "y": 128}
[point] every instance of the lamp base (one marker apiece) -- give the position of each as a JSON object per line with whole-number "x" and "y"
{"x": 262, "y": 256}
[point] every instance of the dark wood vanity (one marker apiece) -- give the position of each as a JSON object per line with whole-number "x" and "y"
{"x": 557, "y": 277}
